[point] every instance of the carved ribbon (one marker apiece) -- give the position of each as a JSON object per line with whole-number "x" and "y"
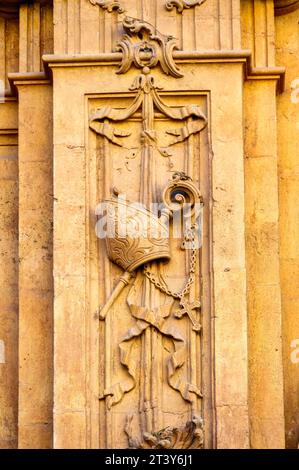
{"x": 145, "y": 85}
{"x": 150, "y": 317}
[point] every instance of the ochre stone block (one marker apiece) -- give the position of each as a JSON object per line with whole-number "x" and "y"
{"x": 92, "y": 356}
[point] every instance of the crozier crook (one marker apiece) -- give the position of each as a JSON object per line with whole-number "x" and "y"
{"x": 131, "y": 253}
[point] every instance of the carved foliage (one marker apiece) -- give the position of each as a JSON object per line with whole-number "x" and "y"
{"x": 181, "y": 5}
{"x": 144, "y": 46}
{"x": 190, "y": 436}
{"x": 109, "y": 5}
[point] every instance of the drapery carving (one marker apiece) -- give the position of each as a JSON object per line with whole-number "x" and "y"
{"x": 145, "y": 318}
{"x": 156, "y": 309}
{"x": 147, "y": 92}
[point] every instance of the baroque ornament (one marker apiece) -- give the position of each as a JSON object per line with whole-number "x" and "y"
{"x": 154, "y": 307}
{"x": 181, "y": 5}
{"x": 133, "y": 253}
{"x": 110, "y": 6}
{"x": 144, "y": 46}
{"x": 190, "y": 436}
{"x": 147, "y": 98}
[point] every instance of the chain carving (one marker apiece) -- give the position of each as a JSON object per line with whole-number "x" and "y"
{"x": 185, "y": 306}
{"x": 154, "y": 307}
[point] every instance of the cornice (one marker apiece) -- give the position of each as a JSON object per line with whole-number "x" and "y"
{"x": 52, "y": 61}
{"x": 181, "y": 57}
{"x": 27, "y": 78}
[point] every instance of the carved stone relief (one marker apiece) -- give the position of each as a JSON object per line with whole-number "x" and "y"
{"x": 160, "y": 301}
{"x": 181, "y": 5}
{"x": 108, "y": 5}
{"x": 190, "y": 436}
{"x": 144, "y": 46}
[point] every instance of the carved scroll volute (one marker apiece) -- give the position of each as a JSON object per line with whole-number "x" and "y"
{"x": 190, "y": 436}
{"x": 109, "y": 5}
{"x": 144, "y": 46}
{"x": 181, "y": 5}
{"x": 181, "y": 190}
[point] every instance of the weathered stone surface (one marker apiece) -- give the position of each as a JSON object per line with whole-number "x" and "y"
{"x": 35, "y": 267}
{"x": 58, "y": 160}
{"x": 263, "y": 288}
{"x": 288, "y": 172}
{"x": 8, "y": 276}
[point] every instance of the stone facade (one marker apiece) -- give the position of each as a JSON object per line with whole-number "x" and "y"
{"x": 145, "y": 343}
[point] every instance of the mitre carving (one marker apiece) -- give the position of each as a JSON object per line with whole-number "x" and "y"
{"x": 130, "y": 252}
{"x": 144, "y": 46}
{"x": 181, "y": 5}
{"x": 158, "y": 309}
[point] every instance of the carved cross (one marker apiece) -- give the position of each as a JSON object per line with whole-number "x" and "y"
{"x": 187, "y": 308}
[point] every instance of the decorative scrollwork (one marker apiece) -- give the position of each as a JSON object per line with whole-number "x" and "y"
{"x": 144, "y": 46}
{"x": 154, "y": 306}
{"x": 190, "y": 436}
{"x": 110, "y": 6}
{"x": 179, "y": 191}
{"x": 181, "y": 5}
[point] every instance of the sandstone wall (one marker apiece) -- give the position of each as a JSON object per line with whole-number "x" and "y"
{"x": 58, "y": 61}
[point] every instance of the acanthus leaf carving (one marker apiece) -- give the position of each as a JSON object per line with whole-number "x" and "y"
{"x": 144, "y": 46}
{"x": 181, "y": 5}
{"x": 109, "y": 5}
{"x": 190, "y": 436}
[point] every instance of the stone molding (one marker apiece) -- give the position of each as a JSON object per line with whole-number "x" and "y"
{"x": 180, "y": 57}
